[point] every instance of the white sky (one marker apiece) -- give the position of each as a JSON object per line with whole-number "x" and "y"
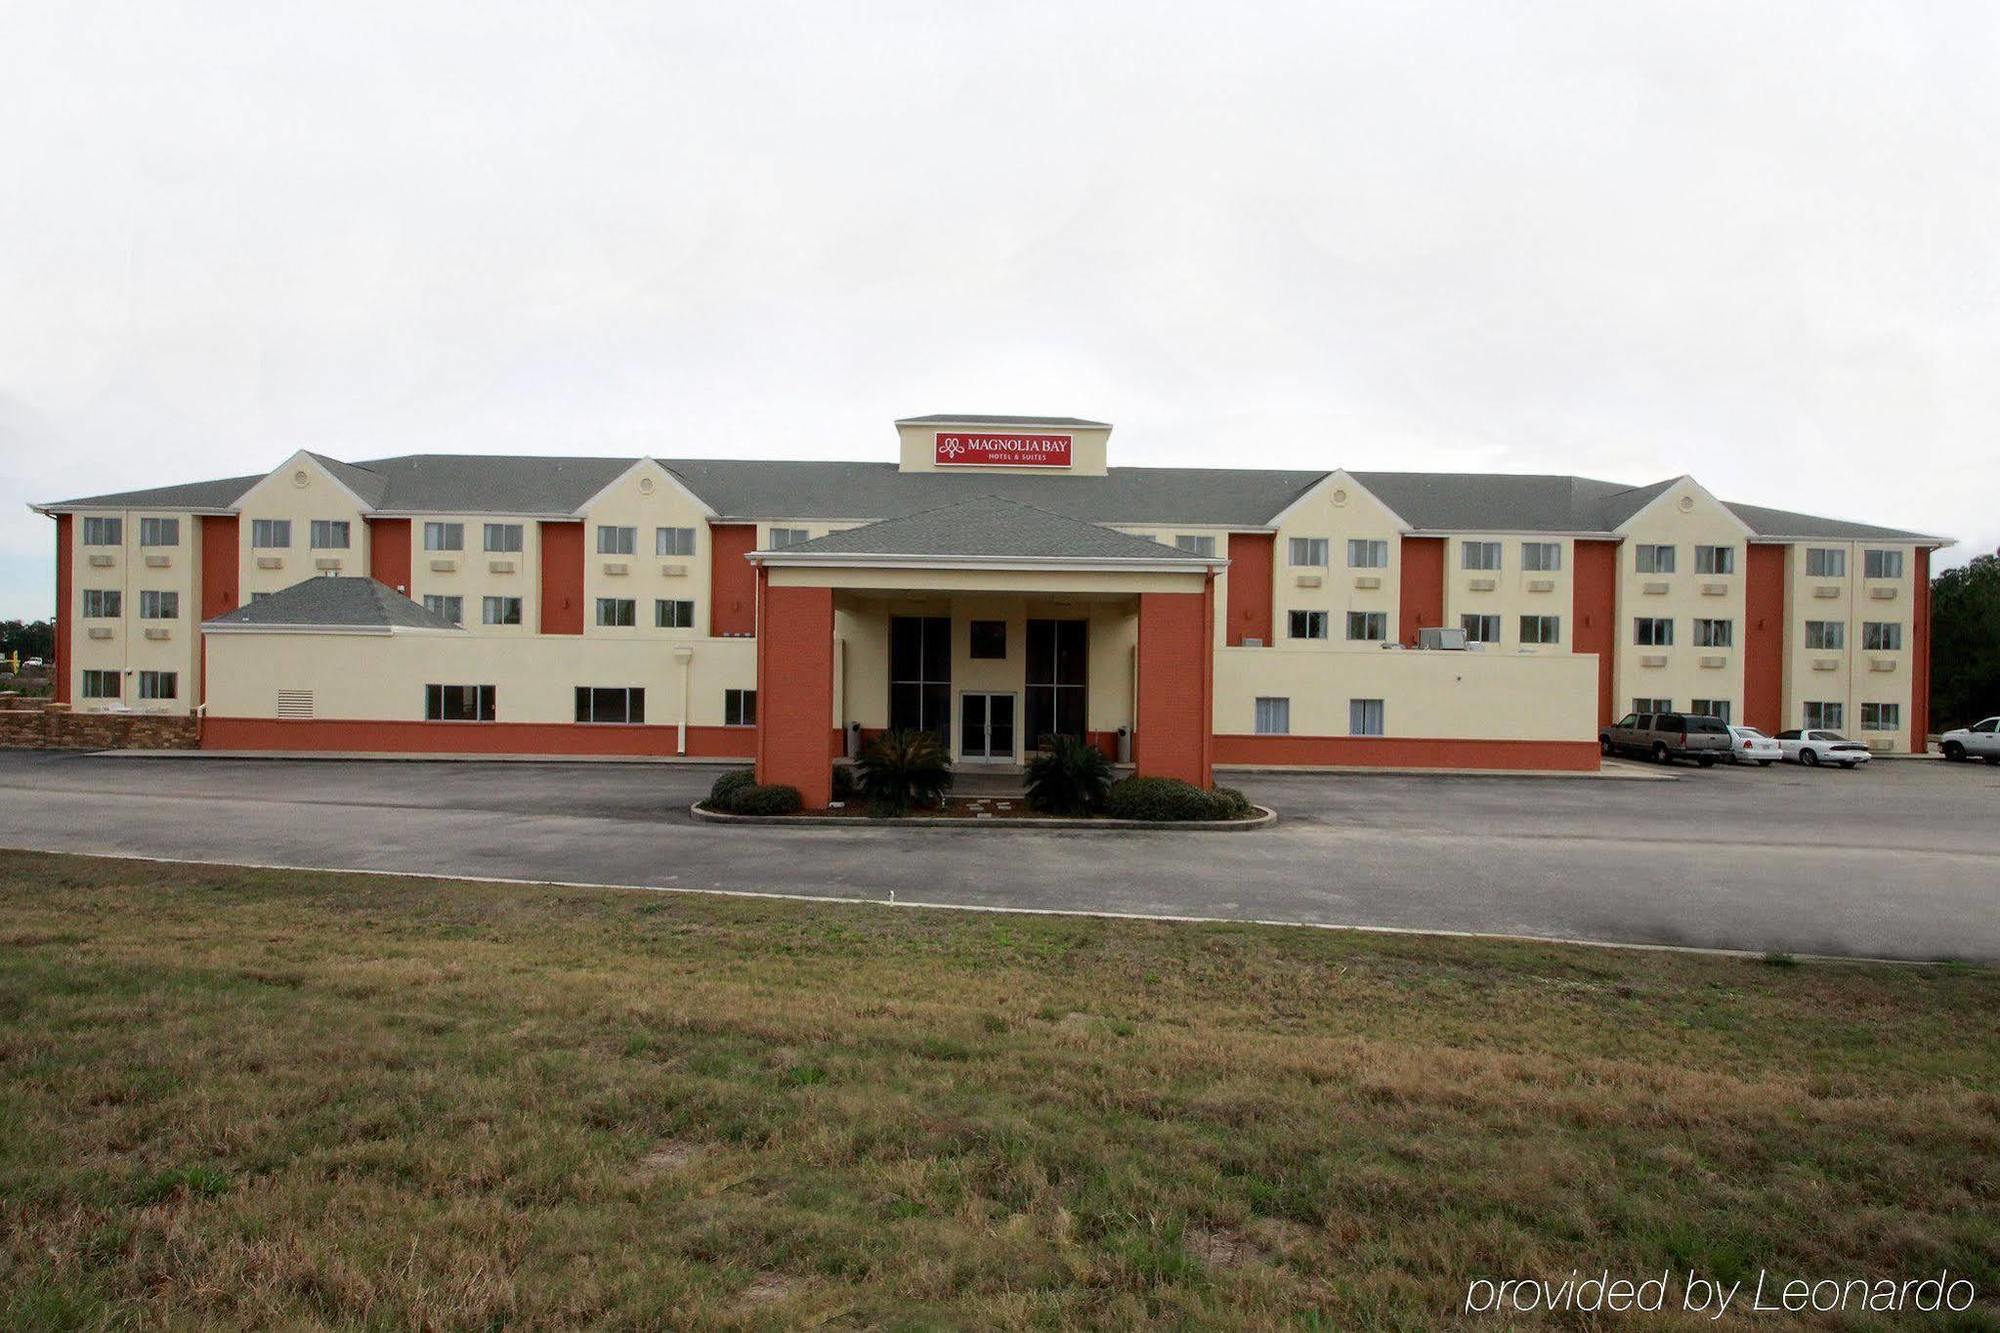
{"x": 1759, "y": 243}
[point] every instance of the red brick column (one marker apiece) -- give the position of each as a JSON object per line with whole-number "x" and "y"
{"x": 1176, "y": 704}
{"x": 1920, "y": 653}
{"x": 795, "y": 689}
{"x": 65, "y": 664}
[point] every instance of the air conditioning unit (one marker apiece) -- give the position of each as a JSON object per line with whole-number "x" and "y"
{"x": 1253, "y": 643}
{"x": 1439, "y": 639}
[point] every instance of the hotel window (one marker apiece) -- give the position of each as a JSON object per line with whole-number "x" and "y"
{"x": 1643, "y": 705}
{"x": 1274, "y": 716}
{"x": 1714, "y": 633}
{"x": 782, "y": 537}
{"x": 1364, "y": 717}
{"x": 1541, "y": 557}
{"x": 617, "y": 612}
{"x": 1654, "y": 559}
{"x": 451, "y": 607}
{"x": 329, "y": 534}
{"x": 444, "y": 536}
{"x": 1826, "y": 562}
{"x": 104, "y": 532}
{"x": 1479, "y": 555}
{"x": 1881, "y": 717}
{"x": 1882, "y": 636}
{"x": 100, "y": 684}
{"x": 617, "y": 541}
{"x": 160, "y": 532}
{"x": 1367, "y": 625}
{"x": 1715, "y": 559}
{"x": 1827, "y": 716}
{"x": 1367, "y": 554}
{"x": 1715, "y": 708}
{"x": 1308, "y": 624}
{"x": 459, "y": 703}
{"x": 1653, "y": 632}
{"x": 617, "y": 703}
{"x": 102, "y": 603}
{"x": 159, "y": 605}
{"x": 1480, "y": 629}
{"x": 503, "y": 538}
{"x": 1199, "y": 545}
{"x": 989, "y": 640}
{"x": 1308, "y": 552}
{"x": 270, "y": 534}
{"x": 1882, "y": 564}
{"x": 1826, "y": 635}
{"x": 669, "y": 613}
{"x": 1541, "y": 629}
{"x": 500, "y": 610}
{"x": 159, "y": 685}
{"x": 673, "y": 541}
{"x": 739, "y": 708}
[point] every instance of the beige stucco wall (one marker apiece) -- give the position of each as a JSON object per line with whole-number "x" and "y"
{"x": 1516, "y": 591}
{"x": 1851, "y": 675}
{"x": 1684, "y": 516}
{"x": 1339, "y": 509}
{"x": 123, "y": 644}
{"x": 647, "y": 498}
{"x": 1470, "y": 696}
{"x": 382, "y": 677}
{"x": 473, "y": 574}
{"x": 301, "y": 491}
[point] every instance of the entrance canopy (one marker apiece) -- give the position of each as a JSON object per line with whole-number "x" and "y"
{"x": 954, "y": 571}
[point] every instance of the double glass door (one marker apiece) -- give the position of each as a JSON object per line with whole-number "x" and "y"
{"x": 986, "y": 727}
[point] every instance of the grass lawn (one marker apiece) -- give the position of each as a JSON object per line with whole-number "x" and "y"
{"x": 270, "y": 1098}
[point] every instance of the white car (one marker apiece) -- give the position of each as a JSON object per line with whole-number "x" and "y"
{"x": 1747, "y": 745}
{"x": 1981, "y": 740}
{"x": 1813, "y": 747}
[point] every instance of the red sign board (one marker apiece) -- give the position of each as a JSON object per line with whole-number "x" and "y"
{"x": 958, "y": 450}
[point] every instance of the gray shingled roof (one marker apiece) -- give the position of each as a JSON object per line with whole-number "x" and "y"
{"x": 992, "y": 527}
{"x": 987, "y": 419}
{"x": 349, "y": 603}
{"x": 857, "y": 491}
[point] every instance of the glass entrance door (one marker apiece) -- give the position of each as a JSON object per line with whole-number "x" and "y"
{"x": 986, "y": 727}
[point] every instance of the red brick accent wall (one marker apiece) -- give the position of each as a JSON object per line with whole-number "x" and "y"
{"x": 389, "y": 552}
{"x": 65, "y": 618}
{"x": 562, "y": 578}
{"x": 219, "y": 567}
{"x": 1421, "y": 603}
{"x": 1594, "y": 614}
{"x": 1252, "y": 560}
{"x": 732, "y": 583}
{"x": 1920, "y": 654}
{"x": 1764, "y": 636}
{"x": 795, "y": 689}
{"x": 384, "y": 737}
{"x": 1176, "y": 685}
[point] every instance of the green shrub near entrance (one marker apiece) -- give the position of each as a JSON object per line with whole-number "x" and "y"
{"x": 1068, "y": 777}
{"x": 774, "y": 799}
{"x": 1169, "y": 800}
{"x": 722, "y": 796}
{"x": 902, "y": 771}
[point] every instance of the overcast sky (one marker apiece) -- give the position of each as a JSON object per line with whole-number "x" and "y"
{"x": 1755, "y": 242}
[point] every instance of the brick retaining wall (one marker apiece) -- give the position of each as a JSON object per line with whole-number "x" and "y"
{"x": 29, "y": 724}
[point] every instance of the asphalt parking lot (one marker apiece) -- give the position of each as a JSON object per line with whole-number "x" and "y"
{"x": 1898, "y": 860}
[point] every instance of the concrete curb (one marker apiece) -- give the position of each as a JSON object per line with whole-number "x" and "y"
{"x": 1264, "y": 818}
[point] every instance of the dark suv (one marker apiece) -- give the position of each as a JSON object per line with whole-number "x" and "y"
{"x": 1666, "y": 737}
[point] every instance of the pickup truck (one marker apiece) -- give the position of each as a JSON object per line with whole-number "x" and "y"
{"x": 1665, "y": 737}
{"x": 1981, "y": 740}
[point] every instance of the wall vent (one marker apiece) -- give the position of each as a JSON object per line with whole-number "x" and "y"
{"x": 295, "y": 703}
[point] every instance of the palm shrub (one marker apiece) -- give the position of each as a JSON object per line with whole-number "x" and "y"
{"x": 902, "y": 770}
{"x": 1068, "y": 777}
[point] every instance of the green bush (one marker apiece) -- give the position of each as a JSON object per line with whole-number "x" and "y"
{"x": 1068, "y": 777}
{"x": 1169, "y": 800}
{"x": 722, "y": 796}
{"x": 775, "y": 799}
{"x": 903, "y": 770}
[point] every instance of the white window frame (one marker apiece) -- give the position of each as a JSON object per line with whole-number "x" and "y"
{"x": 1715, "y": 559}
{"x": 1312, "y": 619}
{"x": 1541, "y": 557}
{"x": 1272, "y": 715}
{"x": 1479, "y": 557}
{"x": 1831, "y": 715}
{"x": 1647, "y": 558}
{"x": 1369, "y": 620}
{"x": 110, "y": 684}
{"x": 1367, "y": 553}
{"x": 586, "y": 704}
{"x": 1196, "y": 543}
{"x": 485, "y": 702}
{"x": 1881, "y": 563}
{"x": 319, "y": 527}
{"x": 150, "y": 683}
{"x": 1888, "y": 716}
{"x": 150, "y": 530}
{"x": 1366, "y": 717}
{"x": 1831, "y": 562}
{"x": 1308, "y": 553}
{"x": 1881, "y": 636}
{"x": 1719, "y": 709}
{"x": 103, "y": 604}
{"x": 1548, "y": 630}
{"x": 1713, "y": 632}
{"x": 1655, "y": 705}
{"x": 159, "y": 604}
{"x": 616, "y": 539}
{"x": 624, "y": 612}
{"x": 1831, "y": 636}
{"x": 103, "y": 530}
{"x": 440, "y": 535}
{"x": 450, "y": 605}
{"x": 503, "y": 538}
{"x": 673, "y": 542}
{"x": 1479, "y": 634}
{"x": 739, "y": 708}
{"x": 270, "y": 534}
{"x": 676, "y": 618}
{"x": 783, "y": 537}
{"x": 493, "y": 610}
{"x": 1657, "y": 631}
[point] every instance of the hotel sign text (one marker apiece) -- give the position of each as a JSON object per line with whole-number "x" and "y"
{"x": 958, "y": 450}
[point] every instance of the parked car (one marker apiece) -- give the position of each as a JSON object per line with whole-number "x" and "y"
{"x": 1747, "y": 745}
{"x": 1665, "y": 737}
{"x": 1813, "y": 747}
{"x": 1981, "y": 740}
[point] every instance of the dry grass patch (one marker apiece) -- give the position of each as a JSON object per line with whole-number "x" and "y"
{"x": 250, "y": 1099}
